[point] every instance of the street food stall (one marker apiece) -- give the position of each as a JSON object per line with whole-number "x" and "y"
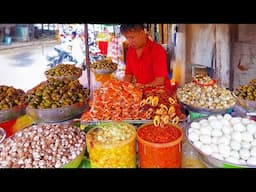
{"x": 90, "y": 119}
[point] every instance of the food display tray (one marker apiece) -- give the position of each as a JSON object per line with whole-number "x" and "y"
{"x": 12, "y": 113}
{"x": 103, "y": 71}
{"x": 249, "y": 106}
{"x": 71, "y": 77}
{"x": 56, "y": 114}
{"x": 206, "y": 111}
{"x": 86, "y": 123}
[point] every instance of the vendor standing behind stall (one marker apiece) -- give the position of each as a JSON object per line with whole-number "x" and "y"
{"x": 145, "y": 59}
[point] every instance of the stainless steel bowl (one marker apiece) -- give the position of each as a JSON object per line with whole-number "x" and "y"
{"x": 248, "y": 105}
{"x": 206, "y": 111}
{"x": 209, "y": 160}
{"x": 70, "y": 77}
{"x": 104, "y": 71}
{"x": 57, "y": 114}
{"x": 12, "y": 113}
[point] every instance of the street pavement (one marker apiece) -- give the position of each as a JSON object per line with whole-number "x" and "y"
{"x": 29, "y": 43}
{"x": 22, "y": 65}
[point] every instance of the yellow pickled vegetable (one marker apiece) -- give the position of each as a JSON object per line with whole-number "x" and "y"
{"x": 112, "y": 146}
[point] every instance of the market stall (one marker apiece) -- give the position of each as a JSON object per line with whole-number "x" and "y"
{"x": 66, "y": 122}
{"x": 119, "y": 123}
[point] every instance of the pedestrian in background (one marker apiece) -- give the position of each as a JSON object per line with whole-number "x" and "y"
{"x": 78, "y": 48}
{"x": 117, "y": 51}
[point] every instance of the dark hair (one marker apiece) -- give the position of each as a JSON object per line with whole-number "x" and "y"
{"x": 130, "y": 27}
{"x": 74, "y": 33}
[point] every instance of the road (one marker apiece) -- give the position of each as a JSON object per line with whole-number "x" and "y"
{"x": 24, "y": 67}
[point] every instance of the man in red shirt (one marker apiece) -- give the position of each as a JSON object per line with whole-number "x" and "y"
{"x": 145, "y": 59}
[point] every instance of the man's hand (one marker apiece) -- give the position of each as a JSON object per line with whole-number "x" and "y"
{"x": 128, "y": 78}
{"x": 159, "y": 81}
{"x": 139, "y": 86}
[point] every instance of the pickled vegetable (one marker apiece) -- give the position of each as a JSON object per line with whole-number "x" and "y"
{"x": 64, "y": 70}
{"x": 56, "y": 93}
{"x": 160, "y": 147}
{"x": 11, "y": 97}
{"x": 106, "y": 64}
{"x": 112, "y": 145}
{"x": 247, "y": 92}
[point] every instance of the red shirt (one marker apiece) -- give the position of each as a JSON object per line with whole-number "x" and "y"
{"x": 150, "y": 65}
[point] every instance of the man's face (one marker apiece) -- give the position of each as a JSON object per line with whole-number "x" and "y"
{"x": 135, "y": 38}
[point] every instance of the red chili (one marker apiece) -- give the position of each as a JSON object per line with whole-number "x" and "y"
{"x": 165, "y": 134}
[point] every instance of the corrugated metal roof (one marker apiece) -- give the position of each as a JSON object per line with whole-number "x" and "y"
{"x": 7, "y": 25}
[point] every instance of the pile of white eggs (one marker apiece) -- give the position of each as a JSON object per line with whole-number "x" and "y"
{"x": 228, "y": 138}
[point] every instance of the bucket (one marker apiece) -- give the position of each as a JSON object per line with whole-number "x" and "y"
{"x": 103, "y": 46}
{"x": 7, "y": 40}
{"x": 112, "y": 145}
{"x": 23, "y": 33}
{"x": 160, "y": 155}
{"x": 202, "y": 70}
{"x": 103, "y": 77}
{"x": 199, "y": 70}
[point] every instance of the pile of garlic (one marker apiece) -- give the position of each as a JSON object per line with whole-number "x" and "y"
{"x": 228, "y": 138}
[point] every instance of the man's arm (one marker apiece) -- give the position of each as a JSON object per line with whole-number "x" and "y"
{"x": 158, "y": 81}
{"x": 159, "y": 58}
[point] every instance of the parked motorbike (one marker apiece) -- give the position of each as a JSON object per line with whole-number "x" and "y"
{"x": 58, "y": 56}
{"x": 95, "y": 54}
{"x": 61, "y": 54}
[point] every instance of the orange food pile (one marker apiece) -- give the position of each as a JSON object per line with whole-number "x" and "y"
{"x": 114, "y": 100}
{"x": 160, "y": 105}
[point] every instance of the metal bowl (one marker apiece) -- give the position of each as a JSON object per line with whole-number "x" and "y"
{"x": 209, "y": 160}
{"x": 2, "y": 134}
{"x": 104, "y": 71}
{"x": 57, "y": 114}
{"x": 70, "y": 77}
{"x": 206, "y": 111}
{"x": 74, "y": 163}
{"x": 248, "y": 105}
{"x": 214, "y": 81}
{"x": 12, "y": 113}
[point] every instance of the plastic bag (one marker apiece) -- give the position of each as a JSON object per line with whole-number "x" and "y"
{"x": 190, "y": 158}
